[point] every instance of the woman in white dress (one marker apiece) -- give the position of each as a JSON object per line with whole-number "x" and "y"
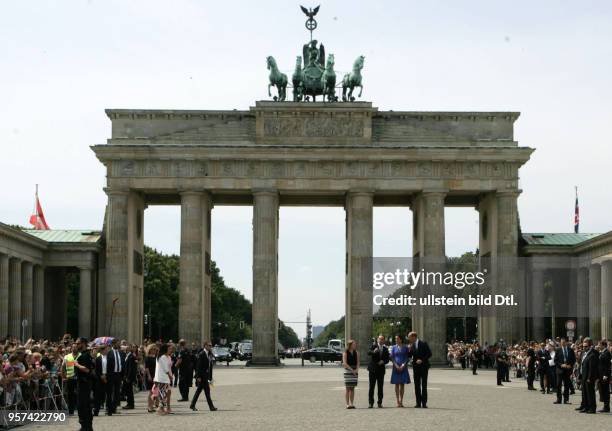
{"x": 162, "y": 379}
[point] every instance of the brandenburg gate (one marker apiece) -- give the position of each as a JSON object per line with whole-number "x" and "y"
{"x": 347, "y": 154}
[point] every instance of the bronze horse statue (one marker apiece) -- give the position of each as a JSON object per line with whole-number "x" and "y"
{"x": 352, "y": 80}
{"x": 328, "y": 79}
{"x": 277, "y": 79}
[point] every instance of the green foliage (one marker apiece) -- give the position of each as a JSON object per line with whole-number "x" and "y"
{"x": 161, "y": 294}
{"x": 287, "y": 336}
{"x": 72, "y": 299}
{"x": 333, "y": 330}
{"x": 231, "y": 311}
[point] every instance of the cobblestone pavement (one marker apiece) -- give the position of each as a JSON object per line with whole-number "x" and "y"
{"x": 312, "y": 397}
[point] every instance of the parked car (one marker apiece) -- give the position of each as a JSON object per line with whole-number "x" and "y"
{"x": 222, "y": 354}
{"x": 324, "y": 354}
{"x": 245, "y": 351}
{"x": 234, "y": 349}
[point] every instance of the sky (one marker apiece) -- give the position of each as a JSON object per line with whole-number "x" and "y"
{"x": 63, "y": 62}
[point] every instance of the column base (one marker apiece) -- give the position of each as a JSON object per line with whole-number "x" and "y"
{"x": 264, "y": 362}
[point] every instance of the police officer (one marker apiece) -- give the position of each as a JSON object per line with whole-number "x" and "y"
{"x": 502, "y": 363}
{"x": 84, "y": 366}
{"x": 69, "y": 377}
{"x": 531, "y": 364}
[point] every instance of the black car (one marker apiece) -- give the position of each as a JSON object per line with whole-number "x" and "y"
{"x": 324, "y": 354}
{"x": 222, "y": 354}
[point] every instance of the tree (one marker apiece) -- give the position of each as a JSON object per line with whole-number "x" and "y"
{"x": 333, "y": 330}
{"x": 287, "y": 336}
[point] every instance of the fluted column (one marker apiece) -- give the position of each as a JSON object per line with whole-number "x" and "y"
{"x": 14, "y": 309}
{"x": 505, "y": 261}
{"x": 38, "y": 302}
{"x": 359, "y": 249}
{"x": 4, "y": 295}
{"x": 27, "y": 275}
{"x": 117, "y": 265}
{"x": 582, "y": 301}
{"x": 265, "y": 277}
{"x": 206, "y": 311}
{"x": 85, "y": 310}
{"x": 606, "y": 299}
{"x": 537, "y": 304}
{"x": 595, "y": 301}
{"x": 191, "y": 267}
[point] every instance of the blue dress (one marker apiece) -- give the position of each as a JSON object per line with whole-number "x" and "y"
{"x": 399, "y": 355}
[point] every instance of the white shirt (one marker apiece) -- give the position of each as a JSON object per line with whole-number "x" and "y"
{"x": 103, "y": 358}
{"x": 163, "y": 367}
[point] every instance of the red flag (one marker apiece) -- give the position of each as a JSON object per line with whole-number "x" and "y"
{"x": 38, "y": 218}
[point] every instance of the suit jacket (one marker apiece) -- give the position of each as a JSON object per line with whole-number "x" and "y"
{"x": 589, "y": 367}
{"x": 543, "y": 356}
{"x": 110, "y": 362}
{"x": 376, "y": 355}
{"x": 204, "y": 366}
{"x": 571, "y": 360}
{"x": 605, "y": 366}
{"x": 422, "y": 352}
{"x": 130, "y": 367}
{"x": 98, "y": 366}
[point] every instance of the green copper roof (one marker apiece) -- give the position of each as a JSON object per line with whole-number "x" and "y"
{"x": 567, "y": 239}
{"x": 60, "y": 235}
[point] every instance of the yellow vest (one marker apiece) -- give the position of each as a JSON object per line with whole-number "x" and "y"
{"x": 70, "y": 360}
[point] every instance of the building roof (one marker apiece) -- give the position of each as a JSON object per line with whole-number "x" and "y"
{"x": 558, "y": 239}
{"x": 66, "y": 236}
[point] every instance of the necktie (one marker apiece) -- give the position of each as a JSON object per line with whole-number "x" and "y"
{"x": 565, "y": 354}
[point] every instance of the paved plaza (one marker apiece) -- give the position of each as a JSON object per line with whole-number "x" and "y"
{"x": 312, "y": 397}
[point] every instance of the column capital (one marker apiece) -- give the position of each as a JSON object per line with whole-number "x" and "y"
{"x": 264, "y": 191}
{"x": 508, "y": 192}
{"x": 114, "y": 191}
{"x": 191, "y": 192}
{"x": 595, "y": 265}
{"x": 15, "y": 259}
{"x": 360, "y": 192}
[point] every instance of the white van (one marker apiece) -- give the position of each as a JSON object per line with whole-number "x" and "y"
{"x": 335, "y": 344}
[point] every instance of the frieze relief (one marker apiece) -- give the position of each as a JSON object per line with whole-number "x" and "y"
{"x": 313, "y": 169}
{"x": 314, "y": 127}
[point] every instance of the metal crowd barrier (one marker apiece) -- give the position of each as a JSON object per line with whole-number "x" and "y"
{"x": 47, "y": 395}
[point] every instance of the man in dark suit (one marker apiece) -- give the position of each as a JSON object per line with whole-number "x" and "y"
{"x": 476, "y": 357}
{"x": 115, "y": 367}
{"x": 543, "y": 356}
{"x": 420, "y": 353}
{"x": 203, "y": 375}
{"x": 379, "y": 357}
{"x": 184, "y": 364}
{"x": 564, "y": 364}
{"x": 605, "y": 370}
{"x": 129, "y": 378}
{"x": 102, "y": 380}
{"x": 589, "y": 372}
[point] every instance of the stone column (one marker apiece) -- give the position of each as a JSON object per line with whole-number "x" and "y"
{"x": 537, "y": 304}
{"x": 85, "y": 309}
{"x": 14, "y": 309}
{"x": 38, "y": 302}
{"x": 582, "y": 301}
{"x": 117, "y": 268}
{"x": 4, "y": 294}
{"x": 191, "y": 268}
{"x": 595, "y": 301}
{"x": 265, "y": 277}
{"x": 606, "y": 299}
{"x": 434, "y": 325}
{"x": 359, "y": 249}
{"x": 505, "y": 261}
{"x": 206, "y": 312}
{"x": 27, "y": 275}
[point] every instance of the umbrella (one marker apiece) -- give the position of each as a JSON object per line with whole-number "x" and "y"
{"x": 103, "y": 340}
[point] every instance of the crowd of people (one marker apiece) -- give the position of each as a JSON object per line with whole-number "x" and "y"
{"x": 76, "y": 375}
{"x": 560, "y": 367}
